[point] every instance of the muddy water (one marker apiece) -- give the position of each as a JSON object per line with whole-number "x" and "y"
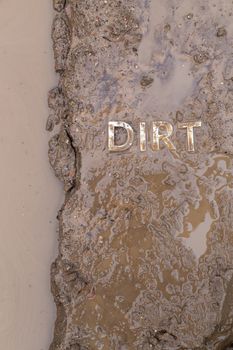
{"x": 30, "y": 195}
{"x": 145, "y": 238}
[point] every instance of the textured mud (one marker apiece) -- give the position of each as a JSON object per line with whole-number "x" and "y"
{"x": 146, "y": 238}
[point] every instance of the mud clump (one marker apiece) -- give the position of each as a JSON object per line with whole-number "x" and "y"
{"x": 145, "y": 238}
{"x": 221, "y": 32}
{"x": 201, "y": 57}
{"x": 59, "y": 5}
{"x": 146, "y": 81}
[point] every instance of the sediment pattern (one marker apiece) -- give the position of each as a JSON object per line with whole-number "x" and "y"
{"x": 145, "y": 238}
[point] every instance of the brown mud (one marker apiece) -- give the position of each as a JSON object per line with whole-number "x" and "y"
{"x": 145, "y": 241}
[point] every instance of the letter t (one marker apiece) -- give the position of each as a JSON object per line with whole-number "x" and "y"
{"x": 190, "y": 133}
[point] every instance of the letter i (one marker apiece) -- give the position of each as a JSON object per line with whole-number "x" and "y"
{"x": 143, "y": 137}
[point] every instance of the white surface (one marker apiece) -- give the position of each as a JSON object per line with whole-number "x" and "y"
{"x": 30, "y": 195}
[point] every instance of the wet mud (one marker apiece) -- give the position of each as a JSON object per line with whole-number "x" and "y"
{"x": 145, "y": 238}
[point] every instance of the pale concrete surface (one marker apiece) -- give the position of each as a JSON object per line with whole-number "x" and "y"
{"x": 29, "y": 193}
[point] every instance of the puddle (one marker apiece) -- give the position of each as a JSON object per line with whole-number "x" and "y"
{"x": 158, "y": 11}
{"x": 167, "y": 95}
{"x": 198, "y": 237}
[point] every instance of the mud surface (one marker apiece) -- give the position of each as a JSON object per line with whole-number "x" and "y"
{"x": 145, "y": 242}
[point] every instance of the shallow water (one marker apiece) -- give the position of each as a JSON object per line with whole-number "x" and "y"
{"x": 30, "y": 195}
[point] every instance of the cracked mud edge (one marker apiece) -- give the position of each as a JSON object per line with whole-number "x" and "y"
{"x": 66, "y": 168}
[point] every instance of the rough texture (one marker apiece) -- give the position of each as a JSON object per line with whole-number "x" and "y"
{"x": 145, "y": 241}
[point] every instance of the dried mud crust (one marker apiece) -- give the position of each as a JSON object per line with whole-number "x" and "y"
{"x": 129, "y": 273}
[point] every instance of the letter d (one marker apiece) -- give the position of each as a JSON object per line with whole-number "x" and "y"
{"x": 111, "y": 136}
